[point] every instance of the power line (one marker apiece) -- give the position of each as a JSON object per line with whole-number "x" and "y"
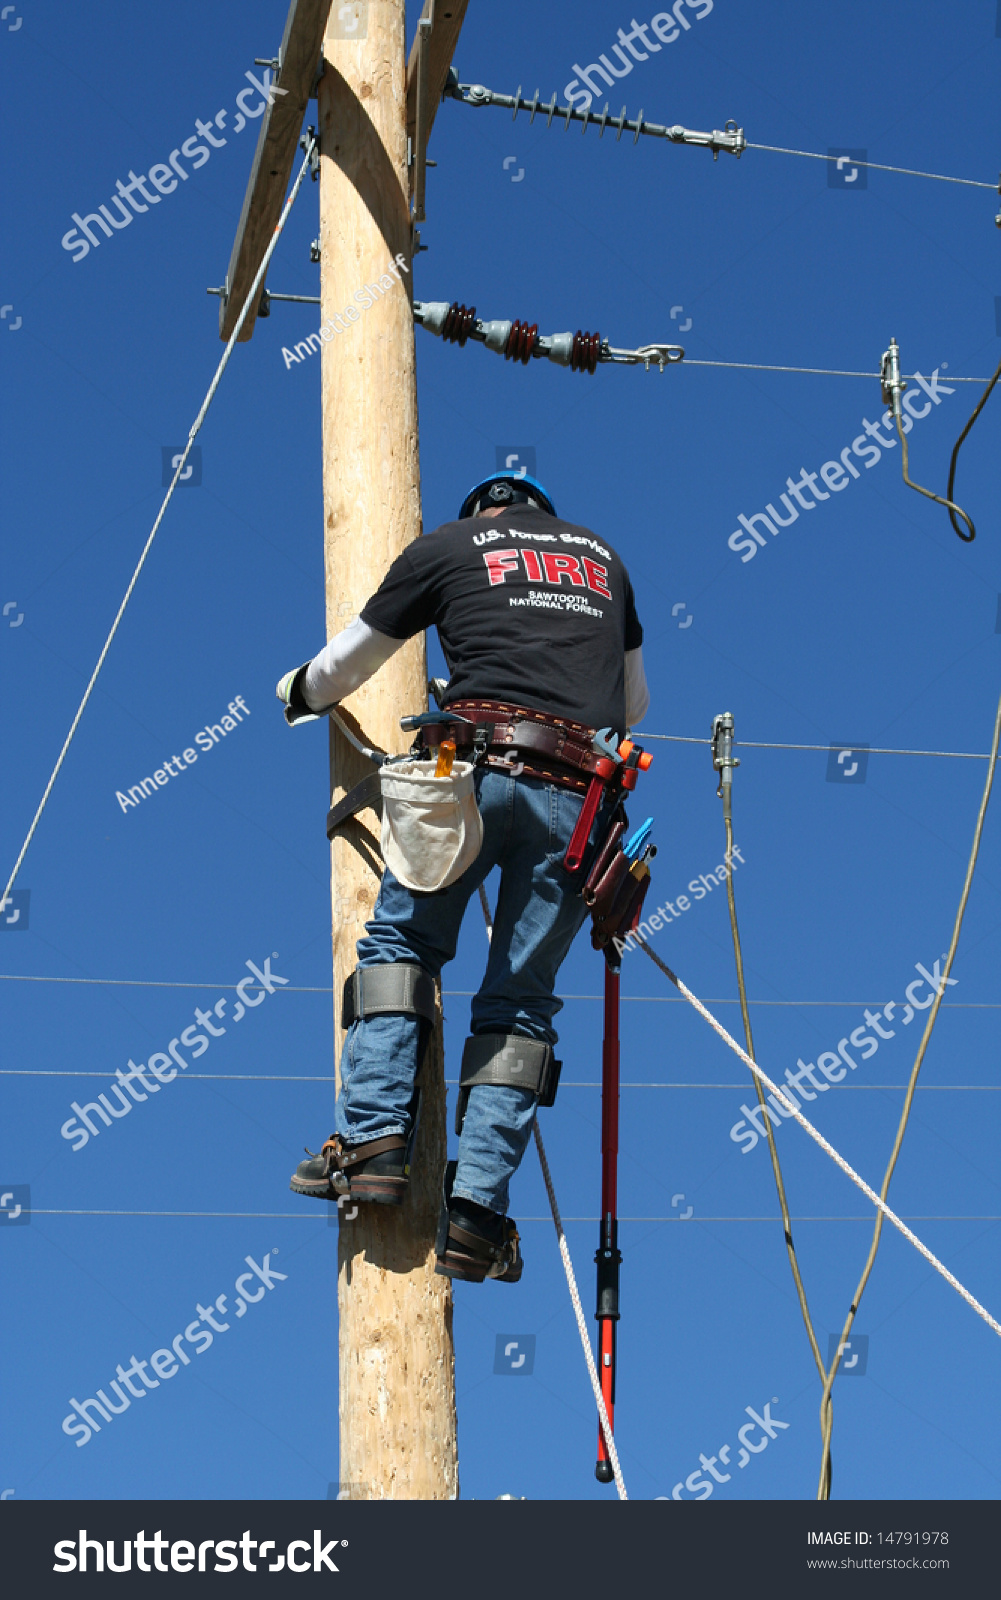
{"x": 465, "y": 994}
{"x": 878, "y": 166}
{"x": 301, "y": 1216}
{"x": 820, "y": 372}
{"x": 873, "y": 750}
{"x": 565, "y": 1083}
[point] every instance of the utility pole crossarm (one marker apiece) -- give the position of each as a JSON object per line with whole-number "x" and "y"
{"x": 281, "y": 122}
{"x": 448, "y": 17}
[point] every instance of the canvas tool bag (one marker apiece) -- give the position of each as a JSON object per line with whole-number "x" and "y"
{"x": 431, "y": 827}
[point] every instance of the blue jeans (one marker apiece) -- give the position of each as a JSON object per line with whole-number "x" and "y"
{"x": 527, "y": 825}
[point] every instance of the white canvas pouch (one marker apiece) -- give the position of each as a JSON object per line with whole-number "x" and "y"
{"x": 431, "y": 827}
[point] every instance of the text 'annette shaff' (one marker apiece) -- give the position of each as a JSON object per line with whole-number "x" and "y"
{"x": 206, "y": 739}
{"x": 161, "y": 1065}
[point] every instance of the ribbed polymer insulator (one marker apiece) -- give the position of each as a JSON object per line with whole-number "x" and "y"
{"x": 521, "y": 342}
{"x": 458, "y": 323}
{"x": 584, "y": 354}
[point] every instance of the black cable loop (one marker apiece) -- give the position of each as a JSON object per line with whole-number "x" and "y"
{"x": 966, "y": 537}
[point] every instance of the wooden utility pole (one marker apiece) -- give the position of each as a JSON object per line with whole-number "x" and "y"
{"x": 397, "y": 1384}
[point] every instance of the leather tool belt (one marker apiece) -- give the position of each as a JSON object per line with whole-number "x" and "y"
{"x": 515, "y": 739}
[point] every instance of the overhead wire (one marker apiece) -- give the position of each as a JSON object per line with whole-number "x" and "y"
{"x": 877, "y": 166}
{"x": 730, "y": 139}
{"x": 820, "y": 372}
{"x": 873, "y": 750}
{"x": 826, "y": 1415}
{"x": 179, "y": 469}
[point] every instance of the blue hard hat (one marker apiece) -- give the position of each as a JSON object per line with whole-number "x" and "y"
{"x": 505, "y": 489}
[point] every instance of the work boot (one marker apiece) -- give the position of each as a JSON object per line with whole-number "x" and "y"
{"x": 474, "y": 1242}
{"x": 378, "y": 1170}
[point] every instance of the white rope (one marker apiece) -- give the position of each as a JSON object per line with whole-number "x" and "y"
{"x": 488, "y": 919}
{"x": 790, "y": 1110}
{"x": 606, "y": 1427}
{"x": 196, "y": 425}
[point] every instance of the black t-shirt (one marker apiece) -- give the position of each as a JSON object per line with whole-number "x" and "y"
{"x": 528, "y": 609}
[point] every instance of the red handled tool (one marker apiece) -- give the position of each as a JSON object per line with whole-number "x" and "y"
{"x": 604, "y": 769}
{"x": 608, "y": 1257}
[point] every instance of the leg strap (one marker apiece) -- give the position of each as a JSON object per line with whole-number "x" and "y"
{"x": 397, "y": 986}
{"x": 507, "y": 1060}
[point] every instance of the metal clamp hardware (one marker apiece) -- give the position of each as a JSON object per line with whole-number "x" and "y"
{"x": 889, "y": 374}
{"x": 311, "y": 144}
{"x": 397, "y": 986}
{"x": 724, "y": 760}
{"x": 520, "y": 340}
{"x": 730, "y": 138}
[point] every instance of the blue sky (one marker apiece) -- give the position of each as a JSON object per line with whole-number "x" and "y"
{"x": 869, "y": 622}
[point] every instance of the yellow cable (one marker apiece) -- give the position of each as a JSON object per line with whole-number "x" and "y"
{"x": 726, "y": 790}
{"x": 826, "y": 1409}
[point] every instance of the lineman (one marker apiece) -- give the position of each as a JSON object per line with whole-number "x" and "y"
{"x": 539, "y": 630}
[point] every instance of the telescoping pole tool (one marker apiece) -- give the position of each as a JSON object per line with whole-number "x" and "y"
{"x": 614, "y": 890}
{"x": 608, "y": 1257}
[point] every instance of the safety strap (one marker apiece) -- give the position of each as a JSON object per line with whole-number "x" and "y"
{"x": 509, "y": 1061}
{"x": 397, "y": 986}
{"x": 366, "y": 793}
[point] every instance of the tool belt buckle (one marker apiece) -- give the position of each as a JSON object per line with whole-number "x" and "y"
{"x": 514, "y": 769}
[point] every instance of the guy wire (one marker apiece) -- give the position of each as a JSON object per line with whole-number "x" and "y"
{"x": 826, "y": 1410}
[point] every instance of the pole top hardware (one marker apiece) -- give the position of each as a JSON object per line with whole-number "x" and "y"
{"x": 730, "y": 137}
{"x": 311, "y": 145}
{"x": 724, "y": 760}
{"x": 889, "y": 374}
{"x": 580, "y": 351}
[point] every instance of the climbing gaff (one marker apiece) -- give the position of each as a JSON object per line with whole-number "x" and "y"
{"x": 893, "y": 386}
{"x": 608, "y": 1257}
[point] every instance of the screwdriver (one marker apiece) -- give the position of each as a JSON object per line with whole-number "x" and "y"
{"x": 446, "y": 755}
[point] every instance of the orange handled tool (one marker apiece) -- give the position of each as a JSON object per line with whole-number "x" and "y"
{"x": 446, "y": 755}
